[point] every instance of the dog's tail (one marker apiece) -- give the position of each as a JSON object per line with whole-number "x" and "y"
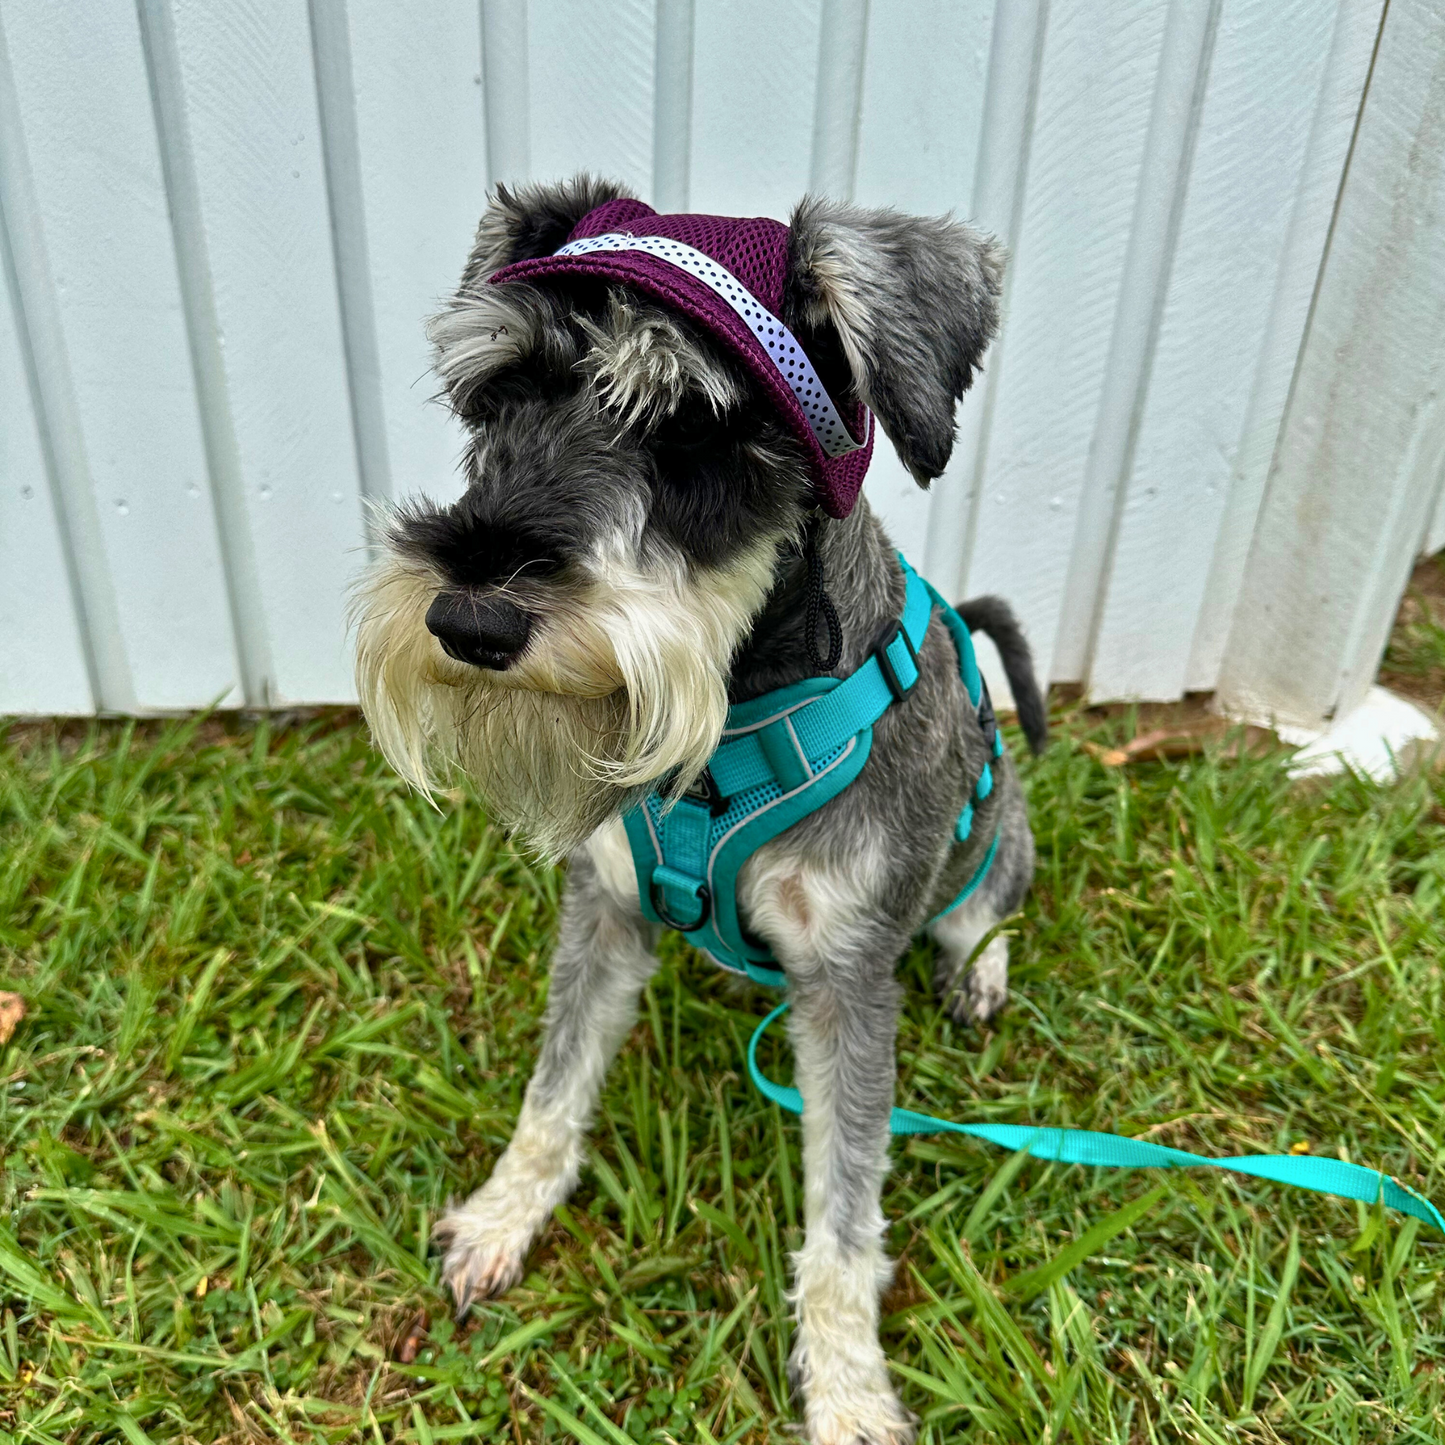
{"x": 995, "y": 619}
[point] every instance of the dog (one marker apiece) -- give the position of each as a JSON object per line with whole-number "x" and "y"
{"x": 634, "y": 553}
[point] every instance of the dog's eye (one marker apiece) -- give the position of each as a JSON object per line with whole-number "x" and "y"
{"x": 691, "y": 432}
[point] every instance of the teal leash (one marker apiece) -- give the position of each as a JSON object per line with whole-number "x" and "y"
{"x": 1114, "y": 1151}
{"x": 785, "y": 755}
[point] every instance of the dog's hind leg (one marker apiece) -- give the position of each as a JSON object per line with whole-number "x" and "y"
{"x": 973, "y": 994}
{"x": 976, "y": 994}
{"x": 602, "y": 961}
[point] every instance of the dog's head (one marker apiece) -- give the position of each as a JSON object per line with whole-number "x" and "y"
{"x": 563, "y": 632}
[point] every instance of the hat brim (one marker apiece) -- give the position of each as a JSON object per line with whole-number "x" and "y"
{"x": 837, "y": 480}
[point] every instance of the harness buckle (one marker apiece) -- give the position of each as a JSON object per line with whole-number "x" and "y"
{"x": 705, "y": 790}
{"x": 885, "y": 664}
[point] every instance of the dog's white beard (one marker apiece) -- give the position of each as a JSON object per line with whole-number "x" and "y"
{"x": 624, "y": 689}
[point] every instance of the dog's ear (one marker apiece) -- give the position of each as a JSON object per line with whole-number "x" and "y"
{"x": 897, "y": 311}
{"x": 523, "y": 222}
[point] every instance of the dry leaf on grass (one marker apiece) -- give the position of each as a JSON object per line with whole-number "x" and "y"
{"x": 410, "y": 1343}
{"x": 12, "y": 1010}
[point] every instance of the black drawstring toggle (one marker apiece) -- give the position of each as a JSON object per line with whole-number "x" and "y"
{"x": 820, "y": 605}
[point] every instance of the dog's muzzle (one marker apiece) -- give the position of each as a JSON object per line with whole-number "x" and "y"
{"x": 482, "y": 631}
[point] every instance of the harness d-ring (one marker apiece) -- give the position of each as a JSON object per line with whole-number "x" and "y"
{"x": 704, "y": 898}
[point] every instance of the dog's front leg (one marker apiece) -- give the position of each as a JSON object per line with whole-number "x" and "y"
{"x": 843, "y": 1025}
{"x": 602, "y": 960}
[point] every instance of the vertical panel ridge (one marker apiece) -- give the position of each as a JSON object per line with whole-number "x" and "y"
{"x": 416, "y": 79}
{"x": 70, "y": 589}
{"x": 506, "y": 90}
{"x": 672, "y": 105}
{"x": 340, "y": 149}
{"x": 921, "y": 103}
{"x": 838, "y": 102}
{"x": 223, "y": 462}
{"x": 1212, "y": 365}
{"x": 592, "y": 90}
{"x": 1163, "y": 183}
{"x": 91, "y": 583}
{"x": 754, "y": 100}
{"x": 1000, "y": 180}
{"x": 1353, "y": 46}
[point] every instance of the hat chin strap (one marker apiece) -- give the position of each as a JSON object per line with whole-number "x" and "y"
{"x": 783, "y": 348}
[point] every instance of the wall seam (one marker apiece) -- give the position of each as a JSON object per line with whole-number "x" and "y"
{"x": 672, "y": 86}
{"x": 1131, "y": 360}
{"x": 67, "y": 548}
{"x": 838, "y": 98}
{"x": 963, "y": 515}
{"x": 57, "y": 418}
{"x": 506, "y": 92}
{"x": 350, "y": 254}
{"x": 208, "y": 368}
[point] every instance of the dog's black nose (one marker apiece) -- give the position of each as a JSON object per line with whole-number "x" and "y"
{"x": 484, "y": 631}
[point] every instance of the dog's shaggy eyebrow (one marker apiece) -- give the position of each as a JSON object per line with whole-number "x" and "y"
{"x": 644, "y": 363}
{"x": 483, "y": 331}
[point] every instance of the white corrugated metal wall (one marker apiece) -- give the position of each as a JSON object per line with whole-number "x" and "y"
{"x": 224, "y": 221}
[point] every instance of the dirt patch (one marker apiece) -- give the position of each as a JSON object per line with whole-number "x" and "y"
{"x": 1414, "y": 664}
{"x": 69, "y": 735}
{"x": 1151, "y": 731}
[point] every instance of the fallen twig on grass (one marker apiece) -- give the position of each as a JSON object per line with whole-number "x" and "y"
{"x": 1183, "y": 740}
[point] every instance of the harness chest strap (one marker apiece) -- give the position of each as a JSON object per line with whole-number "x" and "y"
{"x": 783, "y": 756}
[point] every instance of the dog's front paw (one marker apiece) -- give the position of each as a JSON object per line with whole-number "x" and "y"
{"x": 485, "y": 1241}
{"x": 859, "y": 1417}
{"x": 484, "y": 1248}
{"x": 849, "y": 1402}
{"x": 984, "y": 990}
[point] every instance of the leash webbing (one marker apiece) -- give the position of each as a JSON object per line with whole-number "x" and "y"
{"x": 1115, "y": 1151}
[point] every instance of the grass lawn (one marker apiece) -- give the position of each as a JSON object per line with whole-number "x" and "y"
{"x": 279, "y": 1010}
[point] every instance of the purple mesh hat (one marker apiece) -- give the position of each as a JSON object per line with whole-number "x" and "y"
{"x": 727, "y": 275}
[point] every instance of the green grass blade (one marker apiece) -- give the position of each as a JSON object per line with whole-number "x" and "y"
{"x": 1273, "y": 1330}
{"x": 997, "y": 1186}
{"x": 1038, "y": 1279}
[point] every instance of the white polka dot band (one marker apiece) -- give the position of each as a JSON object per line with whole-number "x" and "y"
{"x": 781, "y": 345}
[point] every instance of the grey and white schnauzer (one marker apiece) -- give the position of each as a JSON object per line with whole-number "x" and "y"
{"x": 625, "y": 564}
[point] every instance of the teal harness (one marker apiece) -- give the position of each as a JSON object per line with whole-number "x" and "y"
{"x": 783, "y": 756}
